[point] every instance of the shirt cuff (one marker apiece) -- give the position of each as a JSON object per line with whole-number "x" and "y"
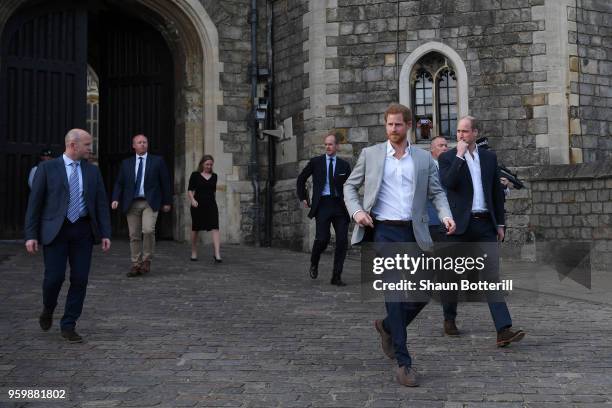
{"x": 353, "y": 216}
{"x": 447, "y": 218}
{"x": 462, "y": 158}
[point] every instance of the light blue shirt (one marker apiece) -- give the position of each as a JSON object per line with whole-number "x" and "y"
{"x": 326, "y": 190}
{"x": 68, "y": 166}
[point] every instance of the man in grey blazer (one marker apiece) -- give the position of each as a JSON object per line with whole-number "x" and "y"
{"x": 67, "y": 213}
{"x": 398, "y": 180}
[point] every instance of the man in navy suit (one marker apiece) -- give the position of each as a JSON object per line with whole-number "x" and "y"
{"x": 142, "y": 188}
{"x": 67, "y": 213}
{"x": 476, "y": 198}
{"x": 329, "y": 173}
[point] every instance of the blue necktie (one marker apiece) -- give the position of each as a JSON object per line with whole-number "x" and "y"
{"x": 138, "y": 178}
{"x": 330, "y": 178}
{"x": 74, "y": 203}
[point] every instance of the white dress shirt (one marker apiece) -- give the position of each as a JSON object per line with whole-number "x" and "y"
{"x": 68, "y": 167}
{"x": 141, "y": 192}
{"x": 394, "y": 201}
{"x": 473, "y": 161}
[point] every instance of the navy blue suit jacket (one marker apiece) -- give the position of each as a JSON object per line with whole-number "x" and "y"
{"x": 157, "y": 187}
{"x": 456, "y": 179}
{"x": 317, "y": 168}
{"x": 48, "y": 201}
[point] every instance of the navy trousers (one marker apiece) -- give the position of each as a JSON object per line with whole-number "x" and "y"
{"x": 399, "y": 314}
{"x": 331, "y": 211}
{"x": 480, "y": 230}
{"x": 73, "y": 245}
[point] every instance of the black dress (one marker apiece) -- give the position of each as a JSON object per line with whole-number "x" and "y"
{"x": 205, "y": 216}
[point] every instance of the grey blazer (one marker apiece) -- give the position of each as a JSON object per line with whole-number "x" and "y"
{"x": 369, "y": 172}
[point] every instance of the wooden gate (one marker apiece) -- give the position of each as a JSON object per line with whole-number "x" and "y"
{"x": 136, "y": 96}
{"x": 43, "y": 74}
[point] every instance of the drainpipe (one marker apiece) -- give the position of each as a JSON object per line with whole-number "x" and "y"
{"x": 270, "y": 125}
{"x": 254, "y": 163}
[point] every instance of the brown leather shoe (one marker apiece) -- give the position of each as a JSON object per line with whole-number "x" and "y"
{"x": 507, "y": 336}
{"x": 145, "y": 267}
{"x": 135, "y": 270}
{"x": 406, "y": 376}
{"x": 385, "y": 340}
{"x": 450, "y": 328}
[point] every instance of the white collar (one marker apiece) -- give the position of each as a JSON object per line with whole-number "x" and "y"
{"x": 391, "y": 150}
{"x": 144, "y": 156}
{"x": 475, "y": 154}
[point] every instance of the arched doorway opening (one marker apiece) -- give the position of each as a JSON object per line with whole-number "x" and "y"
{"x": 190, "y": 38}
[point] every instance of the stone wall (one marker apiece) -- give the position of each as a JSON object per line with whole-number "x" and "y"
{"x": 592, "y": 130}
{"x": 573, "y": 203}
{"x": 493, "y": 38}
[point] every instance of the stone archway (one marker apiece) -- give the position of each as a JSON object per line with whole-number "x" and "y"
{"x": 193, "y": 39}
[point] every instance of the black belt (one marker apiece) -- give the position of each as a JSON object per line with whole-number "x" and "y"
{"x": 139, "y": 198}
{"x": 481, "y": 215}
{"x": 395, "y": 223}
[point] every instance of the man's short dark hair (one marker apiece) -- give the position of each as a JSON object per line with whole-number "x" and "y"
{"x": 396, "y": 108}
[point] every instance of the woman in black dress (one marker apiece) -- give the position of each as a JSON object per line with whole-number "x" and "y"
{"x": 204, "y": 211}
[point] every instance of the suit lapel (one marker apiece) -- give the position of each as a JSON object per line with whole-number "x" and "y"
{"x": 132, "y": 171}
{"x": 61, "y": 168}
{"x": 147, "y": 167}
{"x": 84, "y": 172}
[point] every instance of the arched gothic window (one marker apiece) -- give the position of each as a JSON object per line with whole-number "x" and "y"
{"x": 434, "y": 97}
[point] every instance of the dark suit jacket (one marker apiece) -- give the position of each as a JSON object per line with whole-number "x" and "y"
{"x": 317, "y": 168}
{"x": 157, "y": 187}
{"x": 455, "y": 177}
{"x": 48, "y": 202}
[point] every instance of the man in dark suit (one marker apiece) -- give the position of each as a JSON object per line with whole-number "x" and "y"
{"x": 142, "y": 188}
{"x": 476, "y": 198}
{"x": 67, "y": 213}
{"x": 329, "y": 173}
{"x": 437, "y": 230}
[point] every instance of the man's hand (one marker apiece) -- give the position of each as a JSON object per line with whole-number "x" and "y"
{"x": 363, "y": 218}
{"x": 461, "y": 148}
{"x": 450, "y": 225}
{"x": 305, "y": 203}
{"x": 500, "y": 234}
{"x": 166, "y": 208}
{"x": 31, "y": 246}
{"x": 194, "y": 203}
{"x": 114, "y": 205}
{"x": 507, "y": 183}
{"x": 106, "y": 244}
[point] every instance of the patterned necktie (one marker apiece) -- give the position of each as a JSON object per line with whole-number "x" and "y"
{"x": 330, "y": 176}
{"x": 138, "y": 178}
{"x": 74, "y": 203}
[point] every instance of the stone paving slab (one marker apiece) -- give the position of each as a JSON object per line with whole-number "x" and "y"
{"x": 256, "y": 331}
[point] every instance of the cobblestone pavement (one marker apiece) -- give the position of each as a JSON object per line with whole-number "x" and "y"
{"x": 256, "y": 331}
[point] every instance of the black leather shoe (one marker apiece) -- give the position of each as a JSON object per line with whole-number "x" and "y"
{"x": 72, "y": 336}
{"x": 46, "y": 319}
{"x": 314, "y": 271}
{"x": 335, "y": 280}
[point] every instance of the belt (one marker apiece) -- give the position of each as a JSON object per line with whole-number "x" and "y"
{"x": 481, "y": 215}
{"x": 396, "y": 223}
{"x": 139, "y": 198}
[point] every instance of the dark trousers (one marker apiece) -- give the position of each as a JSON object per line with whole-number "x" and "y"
{"x": 331, "y": 211}
{"x": 480, "y": 230}
{"x": 73, "y": 244}
{"x": 399, "y": 314}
